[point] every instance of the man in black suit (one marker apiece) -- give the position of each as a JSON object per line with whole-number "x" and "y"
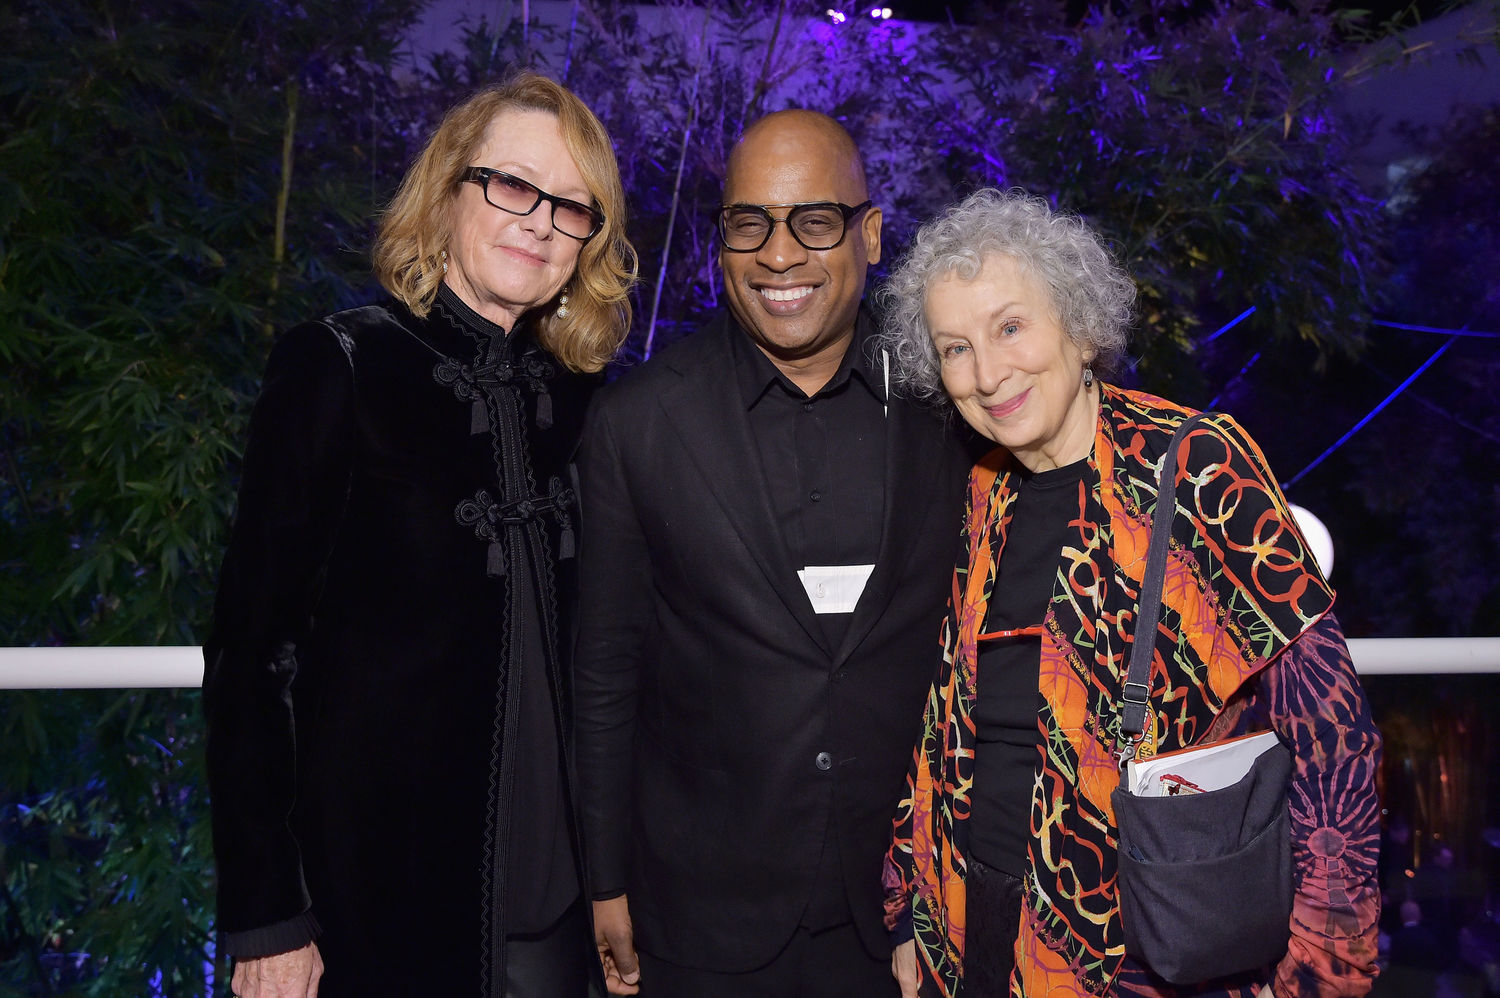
{"x": 767, "y": 543}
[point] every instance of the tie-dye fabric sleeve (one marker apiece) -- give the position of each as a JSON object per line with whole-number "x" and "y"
{"x": 1317, "y": 705}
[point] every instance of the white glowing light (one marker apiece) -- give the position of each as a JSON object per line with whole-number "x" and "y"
{"x": 885, "y": 13}
{"x": 836, "y": 16}
{"x": 1318, "y": 538}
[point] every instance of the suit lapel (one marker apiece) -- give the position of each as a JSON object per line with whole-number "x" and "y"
{"x": 706, "y": 411}
{"x": 914, "y": 452}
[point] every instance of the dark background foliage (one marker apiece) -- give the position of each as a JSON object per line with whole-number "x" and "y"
{"x": 179, "y": 181}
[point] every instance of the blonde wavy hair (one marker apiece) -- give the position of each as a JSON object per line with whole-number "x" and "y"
{"x": 414, "y": 230}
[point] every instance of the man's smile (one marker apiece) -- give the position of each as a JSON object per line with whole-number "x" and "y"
{"x": 787, "y": 294}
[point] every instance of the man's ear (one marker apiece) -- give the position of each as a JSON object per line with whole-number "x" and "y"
{"x": 870, "y": 228}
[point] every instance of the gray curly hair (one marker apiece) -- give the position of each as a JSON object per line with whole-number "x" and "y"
{"x": 1090, "y": 292}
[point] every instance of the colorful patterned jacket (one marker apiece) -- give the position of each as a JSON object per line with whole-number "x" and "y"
{"x": 1245, "y": 642}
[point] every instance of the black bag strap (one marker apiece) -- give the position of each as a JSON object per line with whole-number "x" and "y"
{"x": 1136, "y": 694}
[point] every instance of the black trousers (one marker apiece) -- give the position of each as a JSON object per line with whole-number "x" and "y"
{"x": 553, "y": 963}
{"x": 994, "y": 920}
{"x": 829, "y": 963}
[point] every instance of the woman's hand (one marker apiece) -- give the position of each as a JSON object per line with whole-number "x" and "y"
{"x": 904, "y": 967}
{"x": 285, "y": 975}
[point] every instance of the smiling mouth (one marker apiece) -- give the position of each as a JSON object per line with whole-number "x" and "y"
{"x": 525, "y": 254}
{"x": 1006, "y": 408}
{"x": 786, "y": 294}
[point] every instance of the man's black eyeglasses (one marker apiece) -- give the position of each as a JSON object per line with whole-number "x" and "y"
{"x": 517, "y": 196}
{"x": 816, "y": 225}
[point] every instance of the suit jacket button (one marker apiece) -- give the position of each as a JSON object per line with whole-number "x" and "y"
{"x": 824, "y": 761}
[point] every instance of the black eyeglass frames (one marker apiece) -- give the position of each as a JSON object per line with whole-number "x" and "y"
{"x": 520, "y": 197}
{"x": 816, "y": 225}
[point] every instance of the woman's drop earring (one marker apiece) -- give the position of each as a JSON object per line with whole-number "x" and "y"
{"x": 562, "y": 305}
{"x": 445, "y": 261}
{"x": 1088, "y": 376}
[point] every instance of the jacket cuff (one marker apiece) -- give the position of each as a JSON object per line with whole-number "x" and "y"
{"x": 904, "y": 929}
{"x": 273, "y": 939}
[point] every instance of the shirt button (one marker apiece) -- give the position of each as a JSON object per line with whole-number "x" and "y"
{"x": 807, "y": 407}
{"x": 815, "y": 496}
{"x": 824, "y": 761}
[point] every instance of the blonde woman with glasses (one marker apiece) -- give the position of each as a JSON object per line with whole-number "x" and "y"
{"x": 383, "y": 682}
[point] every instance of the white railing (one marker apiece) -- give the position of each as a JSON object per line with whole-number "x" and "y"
{"x": 1424, "y": 656}
{"x": 116, "y": 668}
{"x": 162, "y": 667}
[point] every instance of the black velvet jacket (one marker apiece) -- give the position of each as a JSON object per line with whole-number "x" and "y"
{"x": 398, "y": 582}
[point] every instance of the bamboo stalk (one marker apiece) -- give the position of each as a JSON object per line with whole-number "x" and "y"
{"x": 568, "y": 54}
{"x": 763, "y": 85}
{"x": 666, "y": 243}
{"x": 284, "y": 195}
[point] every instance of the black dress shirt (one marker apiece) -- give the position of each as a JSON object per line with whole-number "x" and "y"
{"x": 822, "y": 456}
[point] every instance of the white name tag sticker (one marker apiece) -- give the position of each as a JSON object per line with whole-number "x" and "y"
{"x": 834, "y": 588}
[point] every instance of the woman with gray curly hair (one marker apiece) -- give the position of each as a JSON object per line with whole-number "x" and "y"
{"x": 1092, "y": 296}
{"x": 1002, "y": 873}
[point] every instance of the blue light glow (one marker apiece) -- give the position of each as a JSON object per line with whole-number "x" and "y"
{"x": 1373, "y": 413}
{"x": 1231, "y": 324}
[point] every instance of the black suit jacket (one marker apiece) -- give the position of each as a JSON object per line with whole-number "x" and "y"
{"x": 719, "y": 733}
